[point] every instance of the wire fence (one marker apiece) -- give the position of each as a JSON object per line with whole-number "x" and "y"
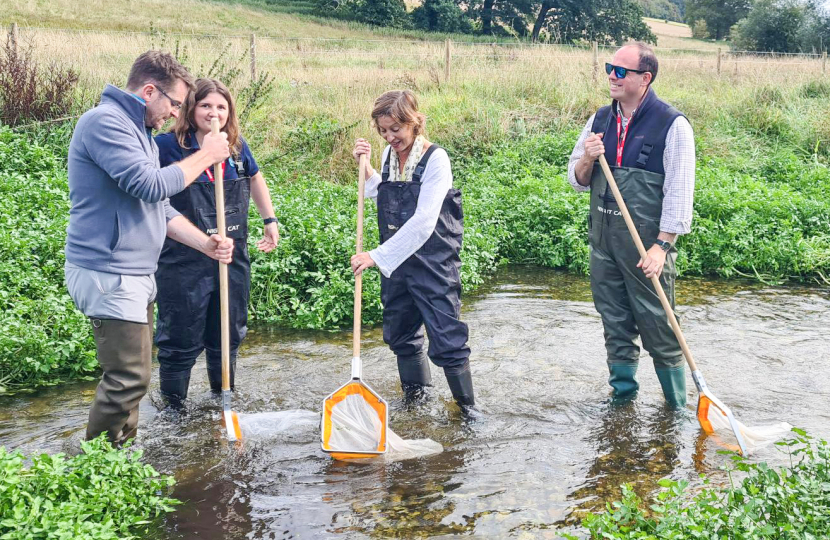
{"x": 340, "y": 76}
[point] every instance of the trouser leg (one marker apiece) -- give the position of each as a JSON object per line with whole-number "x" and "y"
{"x": 612, "y": 302}
{"x": 402, "y": 323}
{"x": 124, "y": 353}
{"x": 655, "y": 331}
{"x": 180, "y": 336}
{"x": 238, "y": 329}
{"x": 437, "y": 296}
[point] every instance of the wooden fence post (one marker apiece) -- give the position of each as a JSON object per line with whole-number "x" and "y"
{"x": 720, "y": 57}
{"x": 13, "y": 37}
{"x": 253, "y": 57}
{"x": 447, "y": 60}
{"x": 824, "y": 62}
{"x": 595, "y": 49}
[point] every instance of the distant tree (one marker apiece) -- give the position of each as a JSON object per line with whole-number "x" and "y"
{"x": 660, "y": 9}
{"x": 720, "y": 15}
{"x": 814, "y": 35}
{"x": 441, "y": 16}
{"x": 390, "y": 13}
{"x": 494, "y": 17}
{"x": 681, "y": 8}
{"x": 772, "y": 25}
{"x": 606, "y": 21}
{"x": 383, "y": 13}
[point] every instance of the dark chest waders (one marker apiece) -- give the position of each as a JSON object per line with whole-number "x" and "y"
{"x": 623, "y": 296}
{"x": 425, "y": 291}
{"x": 188, "y": 286}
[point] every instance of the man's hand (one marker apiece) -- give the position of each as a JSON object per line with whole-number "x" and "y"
{"x": 361, "y": 262}
{"x": 655, "y": 259}
{"x": 270, "y": 238}
{"x": 594, "y": 147}
{"x": 216, "y": 146}
{"x": 218, "y": 249}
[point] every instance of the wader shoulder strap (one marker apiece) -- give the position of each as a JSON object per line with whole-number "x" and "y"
{"x": 422, "y": 165}
{"x": 384, "y": 175}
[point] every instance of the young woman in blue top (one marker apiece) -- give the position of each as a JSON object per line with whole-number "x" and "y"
{"x": 188, "y": 282}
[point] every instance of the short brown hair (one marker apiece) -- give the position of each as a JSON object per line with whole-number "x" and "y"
{"x": 186, "y": 122}
{"x": 648, "y": 60}
{"x": 158, "y": 68}
{"x": 401, "y": 106}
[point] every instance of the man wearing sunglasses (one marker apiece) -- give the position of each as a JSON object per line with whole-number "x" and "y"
{"x": 650, "y": 148}
{"x": 119, "y": 216}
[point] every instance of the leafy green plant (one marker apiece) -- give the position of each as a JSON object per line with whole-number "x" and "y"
{"x": 100, "y": 494}
{"x": 789, "y": 503}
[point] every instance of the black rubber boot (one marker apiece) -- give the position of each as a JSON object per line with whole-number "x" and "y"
{"x": 214, "y": 370}
{"x": 460, "y": 381}
{"x": 173, "y": 387}
{"x": 415, "y": 375}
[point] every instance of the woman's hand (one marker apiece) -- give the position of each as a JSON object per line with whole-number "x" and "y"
{"x": 362, "y": 146}
{"x": 270, "y": 238}
{"x": 361, "y": 262}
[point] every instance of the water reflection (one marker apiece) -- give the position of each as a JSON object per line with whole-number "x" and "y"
{"x": 634, "y": 444}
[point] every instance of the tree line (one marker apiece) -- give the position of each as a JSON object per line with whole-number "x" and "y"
{"x": 557, "y": 21}
{"x": 762, "y": 25}
{"x": 755, "y": 25}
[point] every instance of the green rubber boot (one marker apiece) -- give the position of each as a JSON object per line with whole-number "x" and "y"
{"x": 622, "y": 380}
{"x": 673, "y": 381}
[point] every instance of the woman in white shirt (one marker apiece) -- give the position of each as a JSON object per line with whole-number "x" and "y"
{"x": 421, "y": 225}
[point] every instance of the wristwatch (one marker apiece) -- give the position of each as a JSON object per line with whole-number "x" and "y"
{"x": 665, "y": 246}
{"x": 270, "y": 220}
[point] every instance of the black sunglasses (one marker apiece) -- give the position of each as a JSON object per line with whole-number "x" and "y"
{"x": 178, "y": 104}
{"x": 621, "y": 72}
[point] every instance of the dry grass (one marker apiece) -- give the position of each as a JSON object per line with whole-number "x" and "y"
{"x": 492, "y": 91}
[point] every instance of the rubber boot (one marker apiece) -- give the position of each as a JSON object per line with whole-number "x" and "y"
{"x": 124, "y": 353}
{"x": 673, "y": 382}
{"x": 622, "y": 380}
{"x": 415, "y": 376}
{"x": 173, "y": 386}
{"x": 460, "y": 381}
{"x": 214, "y": 370}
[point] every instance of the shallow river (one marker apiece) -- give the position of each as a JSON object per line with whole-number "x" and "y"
{"x": 546, "y": 448}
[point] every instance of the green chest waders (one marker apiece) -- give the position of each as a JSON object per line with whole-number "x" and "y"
{"x": 623, "y": 296}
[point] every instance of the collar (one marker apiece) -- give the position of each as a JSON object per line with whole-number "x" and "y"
{"x": 129, "y": 103}
{"x": 646, "y": 100}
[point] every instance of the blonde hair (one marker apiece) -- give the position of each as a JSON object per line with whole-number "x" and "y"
{"x": 402, "y": 107}
{"x": 186, "y": 121}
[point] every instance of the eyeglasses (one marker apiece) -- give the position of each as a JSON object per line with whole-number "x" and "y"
{"x": 176, "y": 104}
{"x": 621, "y": 72}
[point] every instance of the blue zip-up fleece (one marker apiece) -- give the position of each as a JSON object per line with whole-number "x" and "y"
{"x": 117, "y": 190}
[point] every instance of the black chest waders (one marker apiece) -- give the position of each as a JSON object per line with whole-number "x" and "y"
{"x": 425, "y": 291}
{"x": 624, "y": 297}
{"x": 188, "y": 287}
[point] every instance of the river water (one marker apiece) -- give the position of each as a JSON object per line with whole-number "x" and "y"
{"x": 546, "y": 447}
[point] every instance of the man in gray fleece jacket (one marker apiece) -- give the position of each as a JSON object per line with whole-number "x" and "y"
{"x": 119, "y": 216}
